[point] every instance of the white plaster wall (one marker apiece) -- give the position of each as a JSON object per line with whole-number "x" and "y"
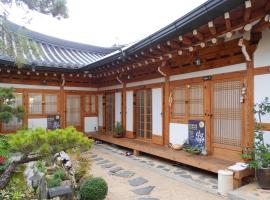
{"x": 100, "y": 110}
{"x": 209, "y": 72}
{"x": 262, "y": 53}
{"x": 261, "y": 90}
{"x": 118, "y": 107}
{"x": 129, "y": 110}
{"x": 178, "y": 133}
{"x": 266, "y": 137}
{"x": 151, "y": 81}
{"x": 37, "y": 123}
{"x": 157, "y": 111}
{"x": 25, "y": 86}
{"x": 90, "y": 124}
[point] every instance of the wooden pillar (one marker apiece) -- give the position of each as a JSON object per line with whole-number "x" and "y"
{"x": 166, "y": 111}
{"x": 124, "y": 106}
{"x": 62, "y": 107}
{"x": 249, "y": 120}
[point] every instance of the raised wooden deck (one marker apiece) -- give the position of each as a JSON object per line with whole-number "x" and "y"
{"x": 208, "y": 163}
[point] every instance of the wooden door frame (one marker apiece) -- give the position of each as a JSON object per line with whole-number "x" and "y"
{"x": 105, "y": 109}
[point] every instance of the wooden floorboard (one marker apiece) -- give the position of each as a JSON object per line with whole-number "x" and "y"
{"x": 208, "y": 163}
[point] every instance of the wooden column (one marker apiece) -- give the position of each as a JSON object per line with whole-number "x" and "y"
{"x": 249, "y": 120}
{"x": 166, "y": 111}
{"x": 124, "y": 113}
{"x": 62, "y": 107}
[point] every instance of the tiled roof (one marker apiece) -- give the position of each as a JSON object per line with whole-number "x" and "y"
{"x": 51, "y": 51}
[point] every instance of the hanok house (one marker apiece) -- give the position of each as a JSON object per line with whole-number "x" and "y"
{"x": 206, "y": 68}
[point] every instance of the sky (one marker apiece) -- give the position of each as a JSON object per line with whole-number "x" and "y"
{"x": 106, "y": 22}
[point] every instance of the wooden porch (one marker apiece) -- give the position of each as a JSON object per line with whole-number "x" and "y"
{"x": 208, "y": 163}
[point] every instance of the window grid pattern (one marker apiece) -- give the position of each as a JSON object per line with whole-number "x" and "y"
{"x": 109, "y": 113}
{"x": 179, "y": 102}
{"x": 35, "y": 103}
{"x": 73, "y": 110}
{"x": 196, "y": 103}
{"x": 227, "y": 113}
{"x": 50, "y": 103}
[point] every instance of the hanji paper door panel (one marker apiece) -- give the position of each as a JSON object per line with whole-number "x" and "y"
{"x": 226, "y": 120}
{"x": 129, "y": 114}
{"x": 157, "y": 116}
{"x": 118, "y": 107}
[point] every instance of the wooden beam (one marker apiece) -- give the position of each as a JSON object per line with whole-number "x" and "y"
{"x": 166, "y": 112}
{"x": 227, "y": 20}
{"x": 247, "y": 11}
{"x": 184, "y": 40}
{"x": 197, "y": 35}
{"x": 212, "y": 28}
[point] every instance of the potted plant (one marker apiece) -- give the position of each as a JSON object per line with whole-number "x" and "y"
{"x": 258, "y": 156}
{"x": 118, "y": 130}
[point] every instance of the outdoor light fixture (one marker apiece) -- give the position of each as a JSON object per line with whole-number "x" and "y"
{"x": 197, "y": 61}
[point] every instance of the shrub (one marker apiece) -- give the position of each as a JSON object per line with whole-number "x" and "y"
{"x": 93, "y": 189}
{"x": 83, "y": 167}
{"x": 59, "y": 174}
{"x": 40, "y": 165}
{"x": 54, "y": 182}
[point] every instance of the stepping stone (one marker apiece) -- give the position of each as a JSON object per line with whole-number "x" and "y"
{"x": 144, "y": 191}
{"x": 108, "y": 165}
{"x": 143, "y": 161}
{"x": 214, "y": 181}
{"x": 166, "y": 169}
{"x": 151, "y": 164}
{"x": 148, "y": 198}
{"x": 125, "y": 174}
{"x": 186, "y": 176}
{"x": 93, "y": 156}
{"x": 215, "y": 187}
{"x": 180, "y": 172}
{"x": 116, "y": 169}
{"x": 160, "y": 166}
{"x": 97, "y": 159}
{"x": 137, "y": 181}
{"x": 103, "y": 162}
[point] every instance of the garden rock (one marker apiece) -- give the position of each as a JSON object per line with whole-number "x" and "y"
{"x": 66, "y": 183}
{"x": 61, "y": 191}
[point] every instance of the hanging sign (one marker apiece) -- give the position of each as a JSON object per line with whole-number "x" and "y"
{"x": 53, "y": 122}
{"x": 196, "y": 133}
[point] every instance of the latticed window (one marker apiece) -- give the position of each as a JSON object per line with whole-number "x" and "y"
{"x": 227, "y": 113}
{"x": 109, "y": 118}
{"x": 42, "y": 103}
{"x": 50, "y": 103}
{"x": 73, "y": 110}
{"x": 144, "y": 114}
{"x": 187, "y": 102}
{"x": 35, "y": 103}
{"x": 90, "y": 104}
{"x": 14, "y": 123}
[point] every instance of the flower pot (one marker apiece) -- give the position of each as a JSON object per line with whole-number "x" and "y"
{"x": 263, "y": 178}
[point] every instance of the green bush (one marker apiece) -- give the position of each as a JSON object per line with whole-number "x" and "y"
{"x": 47, "y": 143}
{"x": 59, "y": 174}
{"x": 93, "y": 189}
{"x": 54, "y": 182}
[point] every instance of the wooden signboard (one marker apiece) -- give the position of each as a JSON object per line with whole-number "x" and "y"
{"x": 53, "y": 122}
{"x": 196, "y": 133}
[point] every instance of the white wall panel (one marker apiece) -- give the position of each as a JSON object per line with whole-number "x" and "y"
{"x": 157, "y": 111}
{"x": 261, "y": 90}
{"x": 37, "y": 123}
{"x": 129, "y": 110}
{"x": 25, "y": 86}
{"x": 90, "y": 124}
{"x": 118, "y": 107}
{"x": 178, "y": 133}
{"x": 100, "y": 110}
{"x": 146, "y": 82}
{"x": 262, "y": 53}
{"x": 208, "y": 72}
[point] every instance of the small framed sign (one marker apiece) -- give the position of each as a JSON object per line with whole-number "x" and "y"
{"x": 196, "y": 133}
{"x": 53, "y": 122}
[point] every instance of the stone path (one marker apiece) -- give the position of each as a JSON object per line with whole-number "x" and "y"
{"x": 192, "y": 176}
{"x": 120, "y": 172}
{"x": 142, "y": 187}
